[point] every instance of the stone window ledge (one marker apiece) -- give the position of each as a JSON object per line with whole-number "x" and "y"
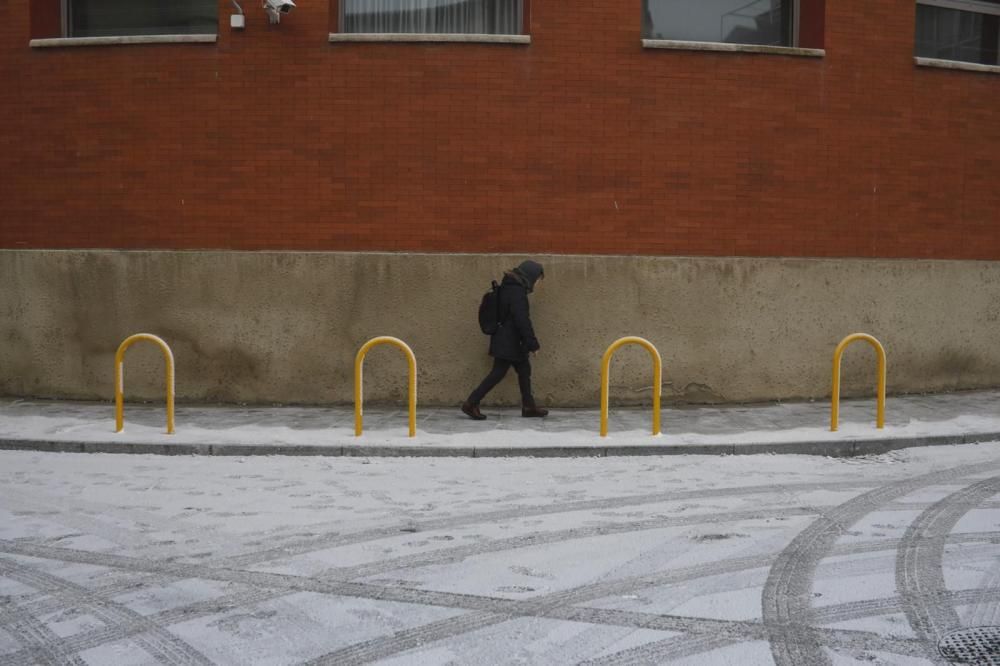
{"x": 957, "y": 64}
{"x": 428, "y": 37}
{"x": 122, "y": 40}
{"x": 721, "y": 47}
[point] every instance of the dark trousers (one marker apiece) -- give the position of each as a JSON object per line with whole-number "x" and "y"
{"x": 500, "y": 368}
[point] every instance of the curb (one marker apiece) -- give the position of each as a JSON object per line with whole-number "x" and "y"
{"x": 835, "y": 449}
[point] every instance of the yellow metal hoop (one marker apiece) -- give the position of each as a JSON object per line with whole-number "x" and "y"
{"x": 835, "y": 400}
{"x": 657, "y": 379}
{"x": 359, "y": 361}
{"x": 168, "y": 358}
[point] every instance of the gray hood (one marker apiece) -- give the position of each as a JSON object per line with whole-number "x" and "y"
{"x": 528, "y": 273}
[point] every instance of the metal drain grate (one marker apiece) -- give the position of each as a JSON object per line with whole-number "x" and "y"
{"x": 978, "y": 645}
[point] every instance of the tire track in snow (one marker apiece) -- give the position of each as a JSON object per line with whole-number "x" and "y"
{"x": 985, "y": 610}
{"x": 110, "y": 634}
{"x": 857, "y": 610}
{"x": 686, "y": 646}
{"x": 458, "y": 553}
{"x": 555, "y": 606}
{"x": 919, "y": 563}
{"x": 41, "y": 643}
{"x": 671, "y": 649}
{"x": 161, "y": 644}
{"x": 188, "y": 573}
{"x": 379, "y": 648}
{"x": 138, "y": 579}
{"x": 561, "y": 606}
{"x": 326, "y": 541}
{"x": 786, "y": 596}
{"x": 485, "y": 611}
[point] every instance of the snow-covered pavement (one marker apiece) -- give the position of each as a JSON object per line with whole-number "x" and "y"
{"x": 792, "y": 560}
{"x": 781, "y": 427}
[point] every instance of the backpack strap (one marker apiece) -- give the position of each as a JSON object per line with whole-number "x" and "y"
{"x": 496, "y": 292}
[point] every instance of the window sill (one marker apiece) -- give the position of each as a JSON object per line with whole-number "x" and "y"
{"x": 721, "y": 47}
{"x": 123, "y": 40}
{"x": 957, "y": 64}
{"x": 428, "y": 37}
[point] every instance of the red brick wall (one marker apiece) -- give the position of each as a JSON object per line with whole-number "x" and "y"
{"x": 582, "y": 142}
{"x": 46, "y": 18}
{"x": 812, "y": 16}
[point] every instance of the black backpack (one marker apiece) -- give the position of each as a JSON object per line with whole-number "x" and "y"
{"x": 489, "y": 310}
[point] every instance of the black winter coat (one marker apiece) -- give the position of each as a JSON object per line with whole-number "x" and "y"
{"x": 516, "y": 337}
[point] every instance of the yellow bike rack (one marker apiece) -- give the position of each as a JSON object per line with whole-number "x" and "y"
{"x": 168, "y": 358}
{"x": 835, "y": 403}
{"x": 359, "y": 361}
{"x": 657, "y": 379}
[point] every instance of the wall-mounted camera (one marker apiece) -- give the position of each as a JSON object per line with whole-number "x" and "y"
{"x": 275, "y": 8}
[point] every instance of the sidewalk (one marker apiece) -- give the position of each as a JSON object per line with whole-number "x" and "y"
{"x": 955, "y": 418}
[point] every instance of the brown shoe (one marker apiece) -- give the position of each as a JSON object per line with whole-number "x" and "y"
{"x": 472, "y": 411}
{"x": 531, "y": 411}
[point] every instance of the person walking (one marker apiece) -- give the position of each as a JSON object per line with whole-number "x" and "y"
{"x": 511, "y": 345}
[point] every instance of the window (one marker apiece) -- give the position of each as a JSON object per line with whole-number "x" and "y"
{"x": 763, "y": 22}
{"x": 485, "y": 17}
{"x": 781, "y": 23}
{"x": 963, "y": 30}
{"x": 109, "y": 18}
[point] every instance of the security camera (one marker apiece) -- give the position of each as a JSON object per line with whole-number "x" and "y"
{"x": 275, "y": 8}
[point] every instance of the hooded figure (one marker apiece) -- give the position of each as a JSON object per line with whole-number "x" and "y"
{"x": 514, "y": 340}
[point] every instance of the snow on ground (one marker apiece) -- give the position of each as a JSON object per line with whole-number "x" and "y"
{"x": 907, "y": 417}
{"x": 396, "y": 434}
{"x": 684, "y": 559}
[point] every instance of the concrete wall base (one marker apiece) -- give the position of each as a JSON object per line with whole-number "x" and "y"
{"x": 283, "y": 327}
